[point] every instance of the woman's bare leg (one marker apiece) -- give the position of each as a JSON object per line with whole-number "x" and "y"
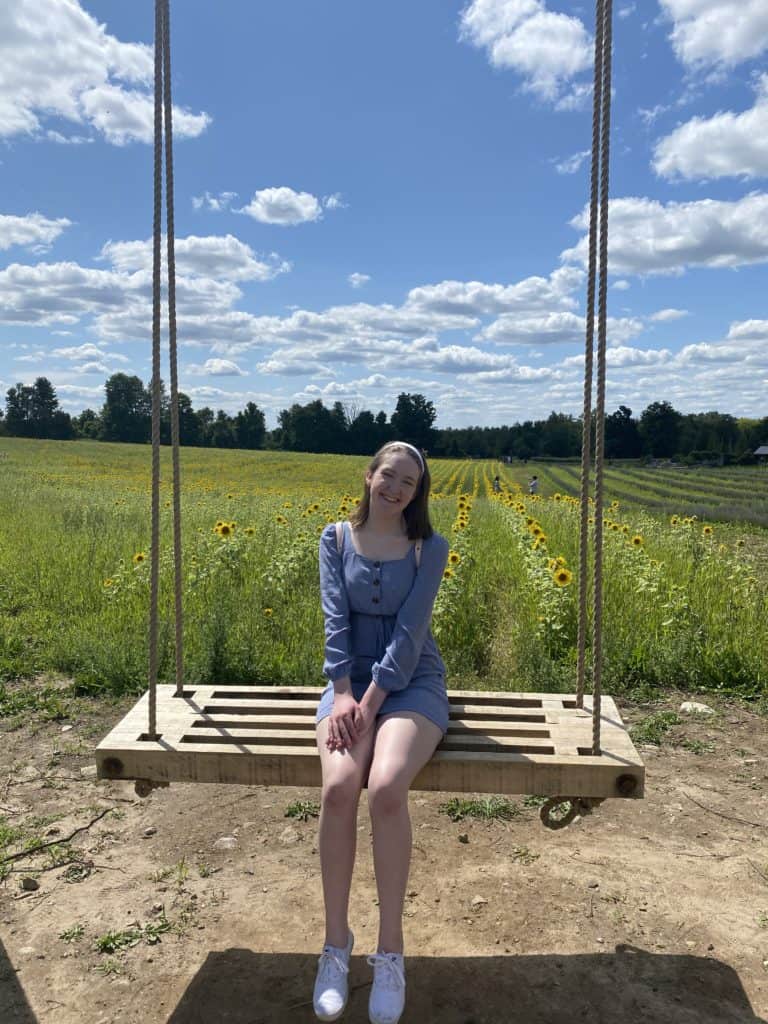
{"x": 343, "y": 777}
{"x": 403, "y": 744}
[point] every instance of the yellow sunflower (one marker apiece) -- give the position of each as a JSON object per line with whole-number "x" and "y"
{"x": 454, "y": 557}
{"x": 562, "y": 577}
{"x": 637, "y": 541}
{"x": 139, "y": 557}
{"x": 447, "y": 573}
{"x": 707, "y": 531}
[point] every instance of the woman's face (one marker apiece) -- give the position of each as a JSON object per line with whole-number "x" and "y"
{"x": 393, "y": 484}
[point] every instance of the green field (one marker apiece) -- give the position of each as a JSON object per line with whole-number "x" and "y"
{"x": 686, "y": 570}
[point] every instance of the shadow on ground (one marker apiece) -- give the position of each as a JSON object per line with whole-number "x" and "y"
{"x": 14, "y": 1008}
{"x": 629, "y": 986}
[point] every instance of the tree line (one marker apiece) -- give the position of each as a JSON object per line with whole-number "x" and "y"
{"x": 660, "y": 431}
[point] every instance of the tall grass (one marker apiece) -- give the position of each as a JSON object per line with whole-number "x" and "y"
{"x": 684, "y": 606}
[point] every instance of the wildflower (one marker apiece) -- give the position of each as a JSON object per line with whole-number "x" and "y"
{"x": 249, "y": 531}
{"x": 674, "y": 521}
{"x": 562, "y": 577}
{"x": 268, "y": 612}
{"x": 108, "y": 582}
{"x": 637, "y": 541}
{"x": 740, "y": 542}
{"x": 707, "y": 531}
{"x": 281, "y": 520}
{"x": 230, "y": 496}
{"x": 139, "y": 557}
{"x": 557, "y": 497}
{"x": 225, "y": 530}
{"x": 287, "y": 504}
{"x": 447, "y": 573}
{"x": 615, "y": 527}
{"x": 454, "y": 557}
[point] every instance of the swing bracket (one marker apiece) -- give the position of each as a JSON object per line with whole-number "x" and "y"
{"x": 559, "y": 811}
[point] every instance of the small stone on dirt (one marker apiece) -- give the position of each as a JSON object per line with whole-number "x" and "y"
{"x": 479, "y": 901}
{"x": 67, "y": 728}
{"x": 87, "y": 770}
{"x": 593, "y": 885}
{"x": 289, "y": 836}
{"x": 692, "y": 706}
{"x": 463, "y": 837}
{"x": 225, "y": 843}
{"x": 30, "y": 884}
{"x": 148, "y": 832}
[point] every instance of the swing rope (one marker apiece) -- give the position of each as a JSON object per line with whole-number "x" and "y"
{"x": 163, "y": 109}
{"x": 597, "y": 267}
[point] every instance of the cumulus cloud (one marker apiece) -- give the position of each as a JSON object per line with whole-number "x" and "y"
{"x": 725, "y": 145}
{"x": 554, "y": 329}
{"x": 571, "y": 164}
{"x": 475, "y": 298}
{"x": 664, "y": 315}
{"x": 283, "y": 206}
{"x": 56, "y": 60}
{"x": 707, "y": 32}
{"x": 358, "y": 280}
{"x": 649, "y": 237}
{"x": 88, "y": 351}
{"x": 547, "y": 49}
{"x": 215, "y": 256}
{"x": 33, "y": 231}
{"x": 217, "y": 203}
{"x": 216, "y": 368}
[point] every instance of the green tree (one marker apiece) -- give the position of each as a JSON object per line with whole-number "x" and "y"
{"x": 622, "y": 437}
{"x": 127, "y": 411}
{"x": 660, "y": 429}
{"x": 412, "y": 420}
{"x": 250, "y": 427}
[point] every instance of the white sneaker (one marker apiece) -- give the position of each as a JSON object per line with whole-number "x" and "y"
{"x": 387, "y": 999}
{"x": 331, "y": 985}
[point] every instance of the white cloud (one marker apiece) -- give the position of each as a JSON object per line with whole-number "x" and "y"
{"x": 554, "y": 329}
{"x": 725, "y": 145}
{"x": 750, "y": 330}
{"x": 283, "y": 206}
{"x": 358, "y": 280}
{"x": 621, "y": 285}
{"x": 214, "y": 256}
{"x": 93, "y": 367}
{"x": 545, "y": 48}
{"x": 217, "y": 203}
{"x": 475, "y": 298}
{"x": 571, "y": 164}
{"x": 33, "y": 231}
{"x": 648, "y": 237}
{"x": 56, "y": 60}
{"x": 88, "y": 351}
{"x": 216, "y": 368}
{"x": 664, "y": 315}
{"x": 727, "y": 32}
{"x": 334, "y": 202}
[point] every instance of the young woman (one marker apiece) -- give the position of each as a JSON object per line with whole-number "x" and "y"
{"x": 384, "y": 710}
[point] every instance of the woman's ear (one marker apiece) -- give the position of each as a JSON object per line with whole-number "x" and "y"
{"x": 368, "y": 477}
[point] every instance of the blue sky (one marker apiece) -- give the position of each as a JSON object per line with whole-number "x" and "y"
{"x": 376, "y": 198}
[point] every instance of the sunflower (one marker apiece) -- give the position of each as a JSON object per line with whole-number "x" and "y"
{"x": 557, "y": 497}
{"x": 447, "y": 573}
{"x": 740, "y": 542}
{"x": 281, "y": 520}
{"x": 230, "y": 497}
{"x": 707, "y": 531}
{"x": 249, "y": 531}
{"x": 562, "y": 577}
{"x": 139, "y": 557}
{"x": 637, "y": 541}
{"x": 615, "y": 527}
{"x": 268, "y": 612}
{"x": 108, "y": 582}
{"x": 287, "y": 504}
{"x": 454, "y": 557}
{"x": 674, "y": 521}
{"x": 225, "y": 530}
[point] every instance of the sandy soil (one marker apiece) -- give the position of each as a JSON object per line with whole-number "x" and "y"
{"x": 645, "y": 911}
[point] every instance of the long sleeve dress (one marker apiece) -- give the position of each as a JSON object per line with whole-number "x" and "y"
{"x": 377, "y": 619}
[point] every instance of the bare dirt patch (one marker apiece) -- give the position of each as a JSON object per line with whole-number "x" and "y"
{"x": 646, "y": 911}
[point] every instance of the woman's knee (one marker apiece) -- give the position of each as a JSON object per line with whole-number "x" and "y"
{"x": 386, "y": 796}
{"x": 341, "y": 794}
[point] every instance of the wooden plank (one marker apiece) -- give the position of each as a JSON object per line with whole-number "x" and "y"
{"x": 496, "y": 742}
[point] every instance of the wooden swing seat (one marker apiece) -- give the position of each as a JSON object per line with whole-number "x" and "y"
{"x": 498, "y": 742}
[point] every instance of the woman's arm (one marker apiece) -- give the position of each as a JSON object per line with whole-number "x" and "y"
{"x": 335, "y": 604}
{"x": 402, "y": 655}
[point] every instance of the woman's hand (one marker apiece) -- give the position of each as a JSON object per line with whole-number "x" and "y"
{"x": 344, "y": 722}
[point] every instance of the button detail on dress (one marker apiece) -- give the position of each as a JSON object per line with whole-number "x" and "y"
{"x": 375, "y": 600}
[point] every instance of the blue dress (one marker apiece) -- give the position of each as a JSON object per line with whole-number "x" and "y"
{"x": 377, "y": 618}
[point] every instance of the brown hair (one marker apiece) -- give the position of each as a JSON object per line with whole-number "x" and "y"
{"x": 416, "y": 512}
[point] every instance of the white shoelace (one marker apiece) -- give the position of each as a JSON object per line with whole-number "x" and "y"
{"x": 388, "y": 973}
{"x": 331, "y": 965}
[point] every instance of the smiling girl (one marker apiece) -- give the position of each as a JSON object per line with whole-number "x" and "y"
{"x": 383, "y": 713}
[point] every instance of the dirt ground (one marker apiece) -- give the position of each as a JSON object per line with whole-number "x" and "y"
{"x": 645, "y": 911}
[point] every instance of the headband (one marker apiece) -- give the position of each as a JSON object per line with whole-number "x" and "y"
{"x": 411, "y": 448}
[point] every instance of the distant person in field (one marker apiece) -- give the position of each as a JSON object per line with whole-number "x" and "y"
{"x": 383, "y": 713}
{"x": 533, "y": 485}
{"x": 497, "y": 484}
